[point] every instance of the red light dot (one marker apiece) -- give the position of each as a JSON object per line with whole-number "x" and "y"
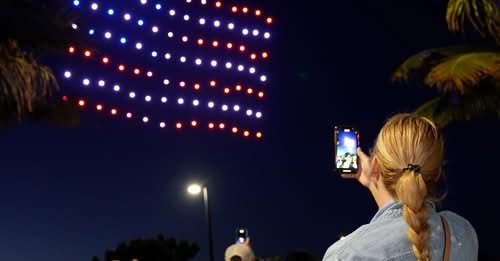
{"x": 178, "y": 125}
{"x": 215, "y": 43}
{"x": 81, "y": 103}
{"x": 211, "y": 125}
{"x": 200, "y": 41}
{"x": 197, "y": 86}
{"x": 182, "y": 83}
{"x": 261, "y": 94}
{"x": 105, "y": 60}
{"x": 129, "y": 115}
{"x": 238, "y": 87}
{"x": 245, "y": 10}
{"x": 71, "y": 49}
{"x": 137, "y": 71}
{"x": 194, "y": 123}
{"x": 242, "y": 48}
{"x": 87, "y": 53}
{"x": 265, "y": 55}
{"x": 269, "y": 20}
{"x": 121, "y": 67}
{"x": 258, "y": 12}
{"x": 234, "y": 9}
{"x": 246, "y": 133}
{"x": 114, "y": 111}
{"x": 65, "y": 98}
{"x": 258, "y": 134}
{"x": 229, "y": 45}
{"x": 234, "y": 130}
{"x": 222, "y": 126}
{"x": 253, "y": 56}
{"x": 226, "y": 90}
{"x": 250, "y": 91}
{"x": 99, "y": 107}
{"x": 212, "y": 83}
{"x": 218, "y": 4}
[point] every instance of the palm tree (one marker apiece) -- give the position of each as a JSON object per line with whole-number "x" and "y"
{"x": 28, "y": 88}
{"x": 467, "y": 76}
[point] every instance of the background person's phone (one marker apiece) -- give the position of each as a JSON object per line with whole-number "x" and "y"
{"x": 241, "y": 235}
{"x": 346, "y": 142}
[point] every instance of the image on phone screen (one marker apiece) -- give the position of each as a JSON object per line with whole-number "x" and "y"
{"x": 346, "y": 159}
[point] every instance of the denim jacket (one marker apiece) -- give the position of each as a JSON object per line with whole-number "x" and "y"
{"x": 385, "y": 238}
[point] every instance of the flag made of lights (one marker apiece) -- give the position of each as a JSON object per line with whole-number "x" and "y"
{"x": 173, "y": 64}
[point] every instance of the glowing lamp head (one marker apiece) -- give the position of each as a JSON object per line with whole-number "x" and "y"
{"x": 258, "y": 135}
{"x": 194, "y": 123}
{"x": 145, "y": 119}
{"x": 121, "y": 67}
{"x": 164, "y": 99}
{"x": 222, "y": 125}
{"x": 230, "y": 26}
{"x": 138, "y": 46}
{"x": 71, "y": 49}
{"x": 111, "y": 11}
{"x": 269, "y": 20}
{"x": 127, "y": 17}
{"x": 114, "y": 111}
{"x": 211, "y": 104}
{"x": 267, "y": 35}
{"x": 101, "y": 83}
{"x": 137, "y": 71}
{"x": 234, "y": 9}
{"x": 116, "y": 88}
{"x": 238, "y": 87}
{"x": 67, "y": 74}
{"x": 234, "y": 130}
{"x": 202, "y": 21}
{"x": 186, "y": 17}
{"x": 226, "y": 90}
{"x": 105, "y": 60}
{"x": 198, "y": 61}
{"x": 218, "y": 4}
{"x": 182, "y": 84}
{"x": 244, "y": 10}
{"x": 213, "y": 63}
{"x": 211, "y": 125}
{"x": 197, "y": 86}
{"x": 129, "y": 115}
{"x": 194, "y": 189}
{"x": 258, "y": 12}
{"x": 158, "y": 6}
{"x": 199, "y": 41}
{"x": 215, "y": 43}
{"x": 261, "y": 94}
{"x": 183, "y": 59}
{"x": 98, "y": 107}
{"x": 81, "y": 103}
{"x": 162, "y": 125}
{"x": 107, "y": 35}
{"x": 87, "y": 53}
{"x": 246, "y": 133}
{"x": 229, "y": 45}
{"x": 155, "y": 29}
{"x": 94, "y": 6}
{"x": 149, "y": 74}
{"x": 213, "y": 83}
{"x": 242, "y": 48}
{"x": 178, "y": 125}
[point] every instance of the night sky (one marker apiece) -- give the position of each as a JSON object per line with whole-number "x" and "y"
{"x": 71, "y": 193}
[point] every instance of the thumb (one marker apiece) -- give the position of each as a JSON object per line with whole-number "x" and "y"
{"x": 362, "y": 156}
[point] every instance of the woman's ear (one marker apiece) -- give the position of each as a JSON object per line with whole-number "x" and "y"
{"x": 374, "y": 169}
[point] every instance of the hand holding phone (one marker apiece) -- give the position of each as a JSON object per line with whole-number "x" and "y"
{"x": 346, "y": 142}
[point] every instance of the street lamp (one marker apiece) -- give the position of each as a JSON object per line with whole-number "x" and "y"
{"x": 196, "y": 189}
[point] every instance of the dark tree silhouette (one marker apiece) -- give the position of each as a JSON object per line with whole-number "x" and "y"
{"x": 158, "y": 248}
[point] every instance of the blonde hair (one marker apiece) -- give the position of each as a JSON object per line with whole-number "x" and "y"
{"x": 409, "y": 139}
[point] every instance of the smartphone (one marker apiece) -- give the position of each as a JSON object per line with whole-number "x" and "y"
{"x": 241, "y": 235}
{"x": 346, "y": 142}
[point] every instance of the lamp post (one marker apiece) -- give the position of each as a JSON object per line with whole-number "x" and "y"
{"x": 196, "y": 189}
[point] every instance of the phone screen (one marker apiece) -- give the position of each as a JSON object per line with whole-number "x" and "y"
{"x": 346, "y": 143}
{"x": 241, "y": 235}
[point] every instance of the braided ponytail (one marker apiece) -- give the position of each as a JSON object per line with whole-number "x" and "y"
{"x": 411, "y": 191}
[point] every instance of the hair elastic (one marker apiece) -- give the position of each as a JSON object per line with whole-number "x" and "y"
{"x": 413, "y": 167}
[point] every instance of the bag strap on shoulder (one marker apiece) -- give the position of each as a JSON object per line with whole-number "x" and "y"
{"x": 447, "y": 241}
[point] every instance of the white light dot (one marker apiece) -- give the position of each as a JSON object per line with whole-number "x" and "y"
{"x": 107, "y": 35}
{"x": 147, "y": 98}
{"x": 162, "y": 125}
{"x": 168, "y": 56}
{"x": 111, "y": 11}
{"x": 123, "y": 40}
{"x": 145, "y": 119}
{"x": 216, "y": 23}
{"x": 138, "y": 46}
{"x": 198, "y": 61}
{"x": 263, "y": 78}
{"x": 230, "y": 26}
{"x": 94, "y": 6}
{"x": 225, "y": 107}
{"x": 116, "y": 88}
{"x": 244, "y": 31}
{"x": 251, "y": 70}
{"x": 182, "y": 59}
{"x": 140, "y": 22}
{"x": 267, "y": 35}
{"x": 158, "y": 6}
{"x": 164, "y": 99}
{"x": 76, "y": 3}
{"x": 236, "y": 108}
{"x": 131, "y": 95}
{"x": 127, "y": 17}
{"x": 196, "y": 102}
{"x": 241, "y": 68}
{"x": 184, "y": 38}
{"x": 170, "y": 34}
{"x": 154, "y": 54}
{"x": 180, "y": 101}
{"x": 229, "y": 65}
{"x": 74, "y": 26}
{"x": 249, "y": 112}
{"x": 213, "y": 63}
{"x": 188, "y": 1}
{"x": 149, "y": 74}
{"x": 154, "y": 29}
{"x": 203, "y": 2}
{"x": 86, "y": 81}
{"x": 67, "y": 74}
{"x": 101, "y": 83}
{"x": 172, "y": 12}
{"x": 186, "y": 17}
{"x": 255, "y": 32}
{"x": 91, "y": 31}
{"x": 144, "y": 2}
{"x": 166, "y": 82}
{"x": 258, "y": 114}
{"x": 211, "y": 104}
{"x": 202, "y": 21}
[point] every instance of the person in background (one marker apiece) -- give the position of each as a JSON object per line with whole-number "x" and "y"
{"x": 240, "y": 252}
{"x": 401, "y": 175}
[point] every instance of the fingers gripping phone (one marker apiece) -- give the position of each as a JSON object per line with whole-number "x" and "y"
{"x": 241, "y": 235}
{"x": 346, "y": 142}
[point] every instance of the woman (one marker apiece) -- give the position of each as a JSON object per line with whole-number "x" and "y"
{"x": 401, "y": 175}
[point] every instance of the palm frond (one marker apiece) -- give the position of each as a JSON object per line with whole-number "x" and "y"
{"x": 457, "y": 72}
{"x": 482, "y": 14}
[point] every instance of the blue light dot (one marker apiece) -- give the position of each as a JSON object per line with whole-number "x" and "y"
{"x": 91, "y": 31}
{"x": 76, "y": 3}
{"x": 111, "y": 12}
{"x": 123, "y": 40}
{"x": 158, "y": 6}
{"x": 140, "y": 22}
